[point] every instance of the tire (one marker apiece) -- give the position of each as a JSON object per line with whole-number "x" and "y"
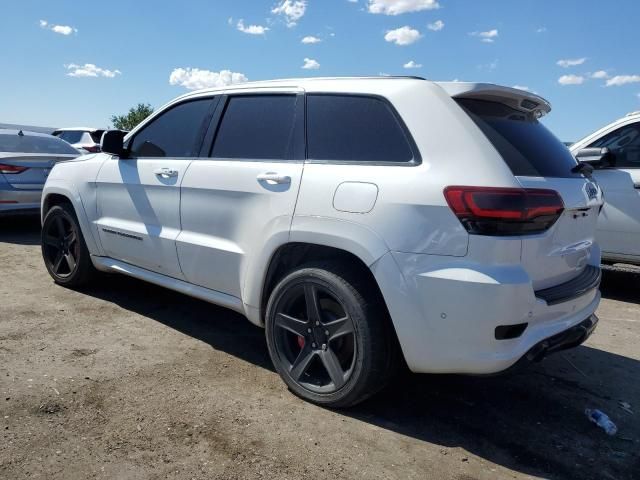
{"x": 64, "y": 250}
{"x": 336, "y": 350}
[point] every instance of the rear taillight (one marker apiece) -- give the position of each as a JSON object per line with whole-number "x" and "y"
{"x": 504, "y": 211}
{"x": 11, "y": 169}
{"x": 92, "y": 149}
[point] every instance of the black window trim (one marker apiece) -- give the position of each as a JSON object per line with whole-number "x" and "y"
{"x": 414, "y": 162}
{"x": 297, "y": 150}
{"x": 198, "y": 143}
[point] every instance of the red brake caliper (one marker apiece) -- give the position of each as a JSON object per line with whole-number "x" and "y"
{"x": 300, "y": 341}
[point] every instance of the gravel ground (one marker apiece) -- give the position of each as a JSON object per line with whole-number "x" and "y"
{"x": 128, "y": 380}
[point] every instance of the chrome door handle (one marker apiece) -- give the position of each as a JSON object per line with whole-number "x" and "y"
{"x": 273, "y": 178}
{"x": 166, "y": 172}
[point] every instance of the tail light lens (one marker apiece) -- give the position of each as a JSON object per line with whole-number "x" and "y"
{"x": 504, "y": 211}
{"x": 92, "y": 149}
{"x": 12, "y": 169}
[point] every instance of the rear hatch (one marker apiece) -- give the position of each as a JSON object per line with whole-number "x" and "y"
{"x": 509, "y": 118}
{"x": 27, "y": 158}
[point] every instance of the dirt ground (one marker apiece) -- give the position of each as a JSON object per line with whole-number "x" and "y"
{"x": 128, "y": 380}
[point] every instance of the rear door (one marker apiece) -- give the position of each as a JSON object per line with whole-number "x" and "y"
{"x": 619, "y": 222}
{"x": 139, "y": 197}
{"x": 243, "y": 195}
{"x": 539, "y": 160}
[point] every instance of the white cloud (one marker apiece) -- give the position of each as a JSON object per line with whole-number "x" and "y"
{"x": 600, "y": 74}
{"x": 436, "y": 26}
{"x": 310, "y": 39}
{"x": 292, "y": 10}
{"x": 61, "y": 29}
{"x": 397, "y": 7}
{"x": 541, "y": 30}
{"x": 90, "y": 70}
{"x": 195, "y": 78}
{"x": 251, "y": 29}
{"x": 521, "y": 87}
{"x": 402, "y": 36}
{"x": 352, "y": 1}
{"x": 412, "y": 64}
{"x": 571, "y": 62}
{"x": 487, "y": 37}
{"x": 619, "y": 80}
{"x": 310, "y": 64}
{"x": 571, "y": 80}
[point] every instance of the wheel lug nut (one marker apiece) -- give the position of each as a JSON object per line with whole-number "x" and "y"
{"x": 317, "y": 323}
{"x": 326, "y": 332}
{"x": 308, "y": 330}
{"x": 313, "y": 345}
{"x": 324, "y": 346}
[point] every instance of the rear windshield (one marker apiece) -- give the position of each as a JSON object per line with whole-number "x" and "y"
{"x": 526, "y": 146}
{"x": 71, "y": 136}
{"x": 15, "y": 143}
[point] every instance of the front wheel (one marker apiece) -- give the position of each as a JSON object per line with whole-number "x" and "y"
{"x": 64, "y": 251}
{"x": 329, "y": 335}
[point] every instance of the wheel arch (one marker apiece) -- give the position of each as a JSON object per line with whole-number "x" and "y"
{"x": 57, "y": 194}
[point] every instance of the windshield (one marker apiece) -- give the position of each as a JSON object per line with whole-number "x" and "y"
{"x": 15, "y": 143}
{"x": 526, "y": 146}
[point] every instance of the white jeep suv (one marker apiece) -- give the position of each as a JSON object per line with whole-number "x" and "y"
{"x": 362, "y": 221}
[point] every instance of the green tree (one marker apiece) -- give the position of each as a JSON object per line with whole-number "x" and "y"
{"x": 133, "y": 118}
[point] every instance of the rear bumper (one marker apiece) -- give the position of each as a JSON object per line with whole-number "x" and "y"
{"x": 452, "y": 315}
{"x": 14, "y": 200}
{"x": 570, "y": 338}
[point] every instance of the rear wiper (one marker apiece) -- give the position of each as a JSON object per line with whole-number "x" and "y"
{"x": 583, "y": 168}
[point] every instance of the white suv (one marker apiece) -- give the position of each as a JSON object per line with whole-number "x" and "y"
{"x": 617, "y": 171}
{"x": 84, "y": 139}
{"x": 360, "y": 220}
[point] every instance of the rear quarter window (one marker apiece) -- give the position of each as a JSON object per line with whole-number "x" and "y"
{"x": 355, "y": 128}
{"x": 526, "y": 146}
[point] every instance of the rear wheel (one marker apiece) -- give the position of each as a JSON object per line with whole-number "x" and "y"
{"x": 329, "y": 335}
{"x": 64, "y": 251}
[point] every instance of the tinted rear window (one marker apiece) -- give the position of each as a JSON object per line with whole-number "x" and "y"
{"x": 257, "y": 127}
{"x": 15, "y": 143}
{"x": 351, "y": 128}
{"x": 71, "y": 136}
{"x": 526, "y": 146}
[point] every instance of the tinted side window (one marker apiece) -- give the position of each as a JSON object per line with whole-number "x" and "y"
{"x": 354, "y": 129}
{"x": 624, "y": 143}
{"x": 256, "y": 127}
{"x": 175, "y": 133}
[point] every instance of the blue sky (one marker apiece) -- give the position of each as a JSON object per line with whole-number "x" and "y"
{"x": 69, "y": 63}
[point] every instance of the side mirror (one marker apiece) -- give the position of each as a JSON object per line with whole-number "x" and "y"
{"x": 596, "y": 157}
{"x": 112, "y": 142}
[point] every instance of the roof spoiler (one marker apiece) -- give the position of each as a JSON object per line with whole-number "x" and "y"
{"x": 513, "y": 97}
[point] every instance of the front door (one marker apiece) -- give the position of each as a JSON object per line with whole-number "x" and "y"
{"x": 243, "y": 196}
{"x": 619, "y": 223}
{"x": 138, "y": 197}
